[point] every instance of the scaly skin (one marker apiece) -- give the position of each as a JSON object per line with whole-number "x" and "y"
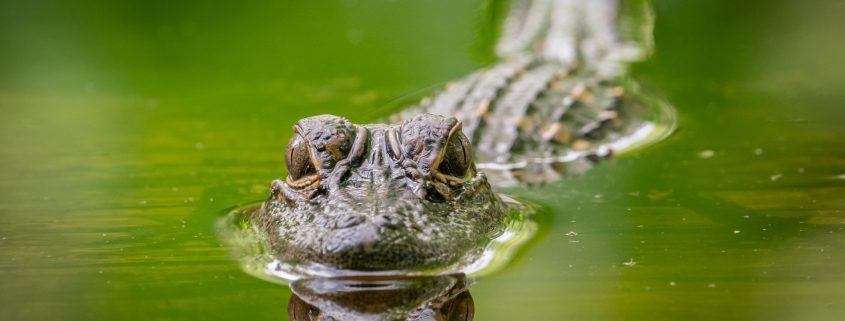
{"x": 380, "y": 197}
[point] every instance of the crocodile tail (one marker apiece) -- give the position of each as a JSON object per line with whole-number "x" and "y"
{"x": 599, "y": 35}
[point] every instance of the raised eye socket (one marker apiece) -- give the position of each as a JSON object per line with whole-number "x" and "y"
{"x": 298, "y": 159}
{"x": 457, "y": 157}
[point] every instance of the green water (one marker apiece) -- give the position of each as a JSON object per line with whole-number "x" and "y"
{"x": 129, "y": 128}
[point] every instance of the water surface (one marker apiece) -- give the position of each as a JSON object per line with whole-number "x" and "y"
{"x": 129, "y": 128}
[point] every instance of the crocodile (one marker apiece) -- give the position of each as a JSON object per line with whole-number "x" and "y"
{"x": 414, "y": 195}
{"x": 385, "y": 221}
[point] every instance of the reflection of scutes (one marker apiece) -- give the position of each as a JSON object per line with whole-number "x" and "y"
{"x": 381, "y": 298}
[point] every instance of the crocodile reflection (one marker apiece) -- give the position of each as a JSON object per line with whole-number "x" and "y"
{"x": 430, "y": 298}
{"x": 413, "y": 195}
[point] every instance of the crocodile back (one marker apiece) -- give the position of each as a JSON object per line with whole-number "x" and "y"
{"x": 558, "y": 100}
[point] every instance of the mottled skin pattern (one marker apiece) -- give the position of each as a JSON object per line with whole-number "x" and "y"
{"x": 380, "y": 197}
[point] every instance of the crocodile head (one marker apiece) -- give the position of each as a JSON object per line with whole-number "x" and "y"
{"x": 380, "y": 197}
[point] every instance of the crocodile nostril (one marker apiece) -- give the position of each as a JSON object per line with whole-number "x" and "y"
{"x": 348, "y": 221}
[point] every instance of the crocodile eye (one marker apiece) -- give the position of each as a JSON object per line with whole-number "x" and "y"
{"x": 457, "y": 157}
{"x": 298, "y": 159}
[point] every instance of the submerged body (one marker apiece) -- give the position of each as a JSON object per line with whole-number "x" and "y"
{"x": 531, "y": 121}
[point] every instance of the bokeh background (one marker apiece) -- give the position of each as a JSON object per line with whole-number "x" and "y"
{"x": 127, "y": 128}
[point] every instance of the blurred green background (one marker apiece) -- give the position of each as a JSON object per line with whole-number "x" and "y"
{"x": 127, "y": 128}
